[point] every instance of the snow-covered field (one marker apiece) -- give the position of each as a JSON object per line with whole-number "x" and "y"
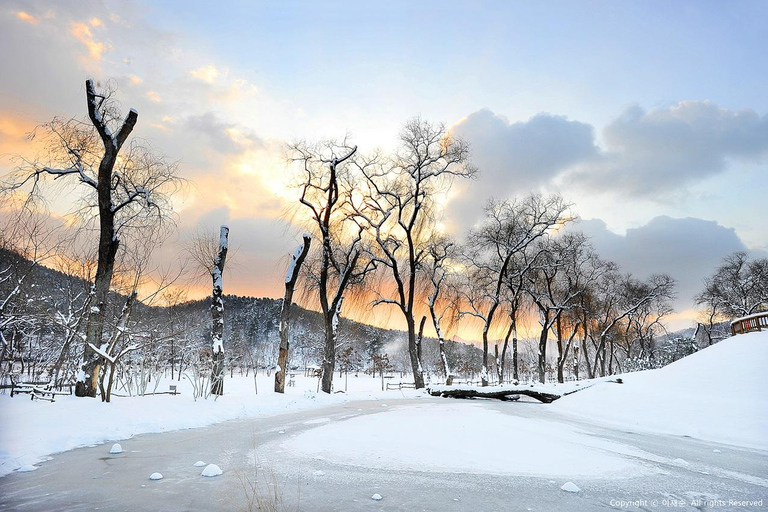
{"x": 716, "y": 394}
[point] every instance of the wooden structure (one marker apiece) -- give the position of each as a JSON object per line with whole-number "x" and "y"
{"x": 756, "y": 322}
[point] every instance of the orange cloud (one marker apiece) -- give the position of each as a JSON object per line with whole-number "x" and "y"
{"x": 95, "y": 22}
{"x": 25, "y": 16}
{"x": 135, "y": 80}
{"x": 14, "y": 133}
{"x": 82, "y": 33}
{"x": 154, "y": 97}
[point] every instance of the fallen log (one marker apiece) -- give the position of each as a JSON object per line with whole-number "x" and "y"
{"x": 496, "y": 393}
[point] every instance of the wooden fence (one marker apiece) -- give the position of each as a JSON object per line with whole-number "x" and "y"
{"x": 756, "y": 322}
{"x": 401, "y": 385}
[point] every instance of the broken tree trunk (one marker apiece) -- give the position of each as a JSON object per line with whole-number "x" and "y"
{"x": 217, "y": 314}
{"x": 291, "y": 276}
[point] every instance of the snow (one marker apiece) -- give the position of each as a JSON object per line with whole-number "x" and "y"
{"x": 570, "y": 487}
{"x": 211, "y": 470}
{"x": 116, "y": 448}
{"x": 292, "y": 264}
{"x": 716, "y": 394}
{"x": 377, "y": 497}
{"x": 388, "y": 440}
{"x": 199, "y": 464}
{"x": 32, "y": 430}
{"x": 748, "y": 317}
{"x": 27, "y": 468}
{"x": 156, "y": 476}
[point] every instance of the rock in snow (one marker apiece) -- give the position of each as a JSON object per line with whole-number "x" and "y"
{"x": 570, "y": 487}
{"x": 116, "y": 448}
{"x": 199, "y": 464}
{"x": 211, "y": 470}
{"x": 155, "y": 476}
{"x": 377, "y": 497}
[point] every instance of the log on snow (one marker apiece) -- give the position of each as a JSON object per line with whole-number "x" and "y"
{"x": 505, "y": 394}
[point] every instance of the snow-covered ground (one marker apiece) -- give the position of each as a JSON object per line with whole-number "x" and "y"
{"x": 452, "y": 436}
{"x": 717, "y": 394}
{"x": 31, "y": 430}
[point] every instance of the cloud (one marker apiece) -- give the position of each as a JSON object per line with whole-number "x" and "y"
{"x": 154, "y": 97}
{"x": 658, "y": 151}
{"x": 207, "y": 74}
{"x": 224, "y": 137}
{"x": 25, "y": 16}
{"x": 515, "y": 158}
{"x": 82, "y": 33}
{"x": 689, "y": 249}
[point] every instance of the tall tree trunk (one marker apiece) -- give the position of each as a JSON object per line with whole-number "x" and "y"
{"x": 87, "y": 381}
{"x": 543, "y": 345}
{"x": 418, "y": 374}
{"x": 500, "y": 359}
{"x": 441, "y": 345}
{"x": 329, "y": 354}
{"x": 560, "y": 354}
{"x": 291, "y": 276}
{"x": 217, "y": 313}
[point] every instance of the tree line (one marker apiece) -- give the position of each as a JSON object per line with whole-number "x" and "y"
{"x": 375, "y": 220}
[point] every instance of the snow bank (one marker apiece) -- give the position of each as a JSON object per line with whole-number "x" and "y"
{"x": 30, "y": 430}
{"x": 717, "y": 394}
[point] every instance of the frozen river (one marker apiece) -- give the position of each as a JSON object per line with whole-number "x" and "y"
{"x": 421, "y": 454}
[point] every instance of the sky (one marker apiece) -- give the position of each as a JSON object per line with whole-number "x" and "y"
{"x": 651, "y": 118}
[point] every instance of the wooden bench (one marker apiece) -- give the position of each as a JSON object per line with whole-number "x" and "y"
{"x": 36, "y": 390}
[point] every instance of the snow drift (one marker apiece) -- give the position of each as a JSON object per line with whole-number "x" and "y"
{"x": 717, "y": 394}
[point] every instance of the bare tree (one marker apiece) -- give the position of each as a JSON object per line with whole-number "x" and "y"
{"x": 739, "y": 287}
{"x": 440, "y": 253}
{"x": 495, "y": 255}
{"x": 552, "y": 288}
{"x": 399, "y": 208}
{"x": 615, "y": 299}
{"x": 128, "y": 191}
{"x": 327, "y": 186}
{"x": 291, "y": 276}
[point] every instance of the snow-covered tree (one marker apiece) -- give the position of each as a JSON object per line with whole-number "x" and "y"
{"x": 291, "y": 277}
{"x": 210, "y": 254}
{"x": 126, "y": 193}
{"x": 739, "y": 287}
